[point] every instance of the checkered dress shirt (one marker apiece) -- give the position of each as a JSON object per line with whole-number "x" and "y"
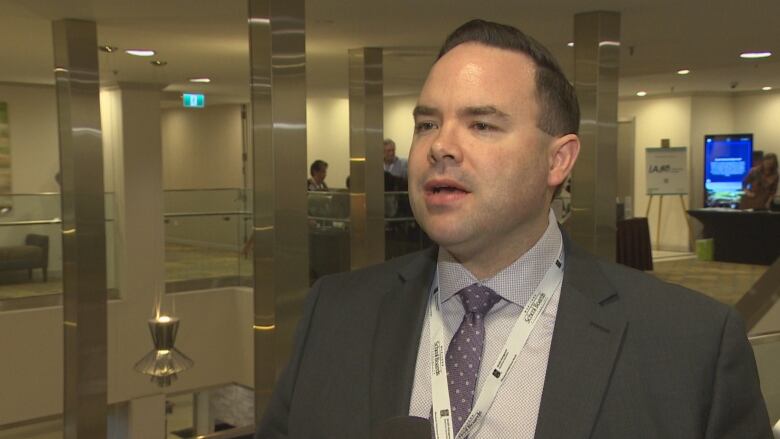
{"x": 515, "y": 410}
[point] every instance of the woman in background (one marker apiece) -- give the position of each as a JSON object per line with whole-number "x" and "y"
{"x": 760, "y": 184}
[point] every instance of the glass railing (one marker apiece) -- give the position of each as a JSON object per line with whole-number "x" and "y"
{"x": 31, "y": 249}
{"x": 329, "y": 222}
{"x": 230, "y": 409}
{"x": 207, "y": 241}
{"x": 178, "y": 201}
{"x": 402, "y": 233}
{"x": 207, "y": 250}
{"x": 50, "y": 427}
{"x": 767, "y": 351}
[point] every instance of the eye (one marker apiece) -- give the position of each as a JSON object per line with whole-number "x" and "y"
{"x": 424, "y": 126}
{"x": 482, "y": 126}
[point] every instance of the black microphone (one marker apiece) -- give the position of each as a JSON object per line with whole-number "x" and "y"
{"x": 404, "y": 427}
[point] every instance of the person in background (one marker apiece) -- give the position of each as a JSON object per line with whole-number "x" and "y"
{"x": 318, "y": 171}
{"x": 396, "y": 166}
{"x": 760, "y": 184}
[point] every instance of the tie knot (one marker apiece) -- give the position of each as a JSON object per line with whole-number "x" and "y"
{"x": 478, "y": 299}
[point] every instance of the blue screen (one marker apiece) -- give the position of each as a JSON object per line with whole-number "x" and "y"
{"x": 727, "y": 161}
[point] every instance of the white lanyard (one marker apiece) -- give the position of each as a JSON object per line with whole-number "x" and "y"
{"x": 442, "y": 416}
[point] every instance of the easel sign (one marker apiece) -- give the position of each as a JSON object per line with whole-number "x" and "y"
{"x": 667, "y": 171}
{"x": 666, "y": 174}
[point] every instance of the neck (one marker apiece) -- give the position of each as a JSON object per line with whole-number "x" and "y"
{"x": 487, "y": 262}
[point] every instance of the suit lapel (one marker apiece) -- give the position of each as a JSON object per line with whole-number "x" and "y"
{"x": 397, "y": 338}
{"x": 588, "y": 332}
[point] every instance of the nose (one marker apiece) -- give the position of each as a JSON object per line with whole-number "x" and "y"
{"x": 445, "y": 147}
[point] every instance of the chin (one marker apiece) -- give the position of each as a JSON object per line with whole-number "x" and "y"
{"x": 444, "y": 234}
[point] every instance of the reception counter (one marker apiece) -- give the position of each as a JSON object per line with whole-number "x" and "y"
{"x": 741, "y": 236}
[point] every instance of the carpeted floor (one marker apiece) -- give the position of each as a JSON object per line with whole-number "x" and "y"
{"x": 723, "y": 281}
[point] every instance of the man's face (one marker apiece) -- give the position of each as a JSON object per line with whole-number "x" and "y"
{"x": 478, "y": 166}
{"x": 319, "y": 176}
{"x": 389, "y": 153}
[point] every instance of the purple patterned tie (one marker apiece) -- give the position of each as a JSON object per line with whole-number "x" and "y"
{"x": 465, "y": 351}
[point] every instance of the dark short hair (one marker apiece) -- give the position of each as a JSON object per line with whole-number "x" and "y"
{"x": 559, "y": 109}
{"x": 388, "y": 142}
{"x": 317, "y": 166}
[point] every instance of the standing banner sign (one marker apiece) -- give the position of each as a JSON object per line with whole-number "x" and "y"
{"x": 667, "y": 171}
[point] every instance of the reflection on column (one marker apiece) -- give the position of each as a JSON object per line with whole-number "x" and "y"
{"x": 83, "y": 228}
{"x": 367, "y": 210}
{"x": 281, "y": 266}
{"x": 596, "y": 53}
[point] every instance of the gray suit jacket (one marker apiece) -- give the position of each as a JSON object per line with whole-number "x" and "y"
{"x": 631, "y": 357}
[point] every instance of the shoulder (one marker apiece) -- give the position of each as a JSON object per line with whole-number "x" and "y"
{"x": 377, "y": 279}
{"x": 664, "y": 307}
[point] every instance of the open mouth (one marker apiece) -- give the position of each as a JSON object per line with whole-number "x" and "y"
{"x": 444, "y": 187}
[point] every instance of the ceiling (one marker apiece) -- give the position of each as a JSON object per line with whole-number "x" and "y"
{"x": 210, "y": 38}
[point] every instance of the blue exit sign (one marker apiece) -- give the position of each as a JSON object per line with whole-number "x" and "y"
{"x": 193, "y": 100}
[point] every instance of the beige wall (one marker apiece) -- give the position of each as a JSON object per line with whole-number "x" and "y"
{"x": 32, "y": 116}
{"x": 656, "y": 119}
{"x": 327, "y": 138}
{"x": 759, "y": 113}
{"x": 216, "y": 332}
{"x": 399, "y": 124}
{"x": 202, "y": 147}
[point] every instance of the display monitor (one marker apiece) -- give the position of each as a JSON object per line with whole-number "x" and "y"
{"x": 727, "y": 161}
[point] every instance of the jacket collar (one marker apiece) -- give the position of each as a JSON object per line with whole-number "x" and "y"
{"x": 589, "y": 330}
{"x": 397, "y": 337}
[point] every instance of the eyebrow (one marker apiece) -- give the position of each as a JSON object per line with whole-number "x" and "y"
{"x": 484, "y": 110}
{"x": 422, "y": 110}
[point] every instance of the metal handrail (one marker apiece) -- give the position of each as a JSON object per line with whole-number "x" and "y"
{"x": 185, "y": 214}
{"x": 323, "y": 218}
{"x": 31, "y": 222}
{"x": 229, "y": 434}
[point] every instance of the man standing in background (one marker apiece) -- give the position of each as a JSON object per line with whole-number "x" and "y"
{"x": 318, "y": 171}
{"x": 394, "y": 165}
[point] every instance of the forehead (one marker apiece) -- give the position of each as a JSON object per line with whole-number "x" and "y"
{"x": 475, "y": 74}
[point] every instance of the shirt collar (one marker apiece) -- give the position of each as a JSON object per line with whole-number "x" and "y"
{"x": 515, "y": 283}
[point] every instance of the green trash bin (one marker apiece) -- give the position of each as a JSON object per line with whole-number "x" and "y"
{"x": 705, "y": 249}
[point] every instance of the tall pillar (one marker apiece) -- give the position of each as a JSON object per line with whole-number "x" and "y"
{"x": 281, "y": 245}
{"x": 133, "y": 135}
{"x": 366, "y": 173}
{"x": 83, "y": 229}
{"x": 594, "y": 180}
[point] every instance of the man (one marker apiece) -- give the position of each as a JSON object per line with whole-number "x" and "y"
{"x": 397, "y": 167}
{"x": 318, "y": 171}
{"x": 596, "y": 350}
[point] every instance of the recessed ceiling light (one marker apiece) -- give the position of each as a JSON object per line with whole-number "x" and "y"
{"x": 203, "y": 80}
{"x": 158, "y": 63}
{"x": 641, "y": 93}
{"x": 140, "y": 52}
{"x": 766, "y": 88}
{"x": 754, "y": 55}
{"x": 570, "y": 44}
{"x": 683, "y": 72}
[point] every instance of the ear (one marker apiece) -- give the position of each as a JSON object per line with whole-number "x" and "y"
{"x": 563, "y": 152}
